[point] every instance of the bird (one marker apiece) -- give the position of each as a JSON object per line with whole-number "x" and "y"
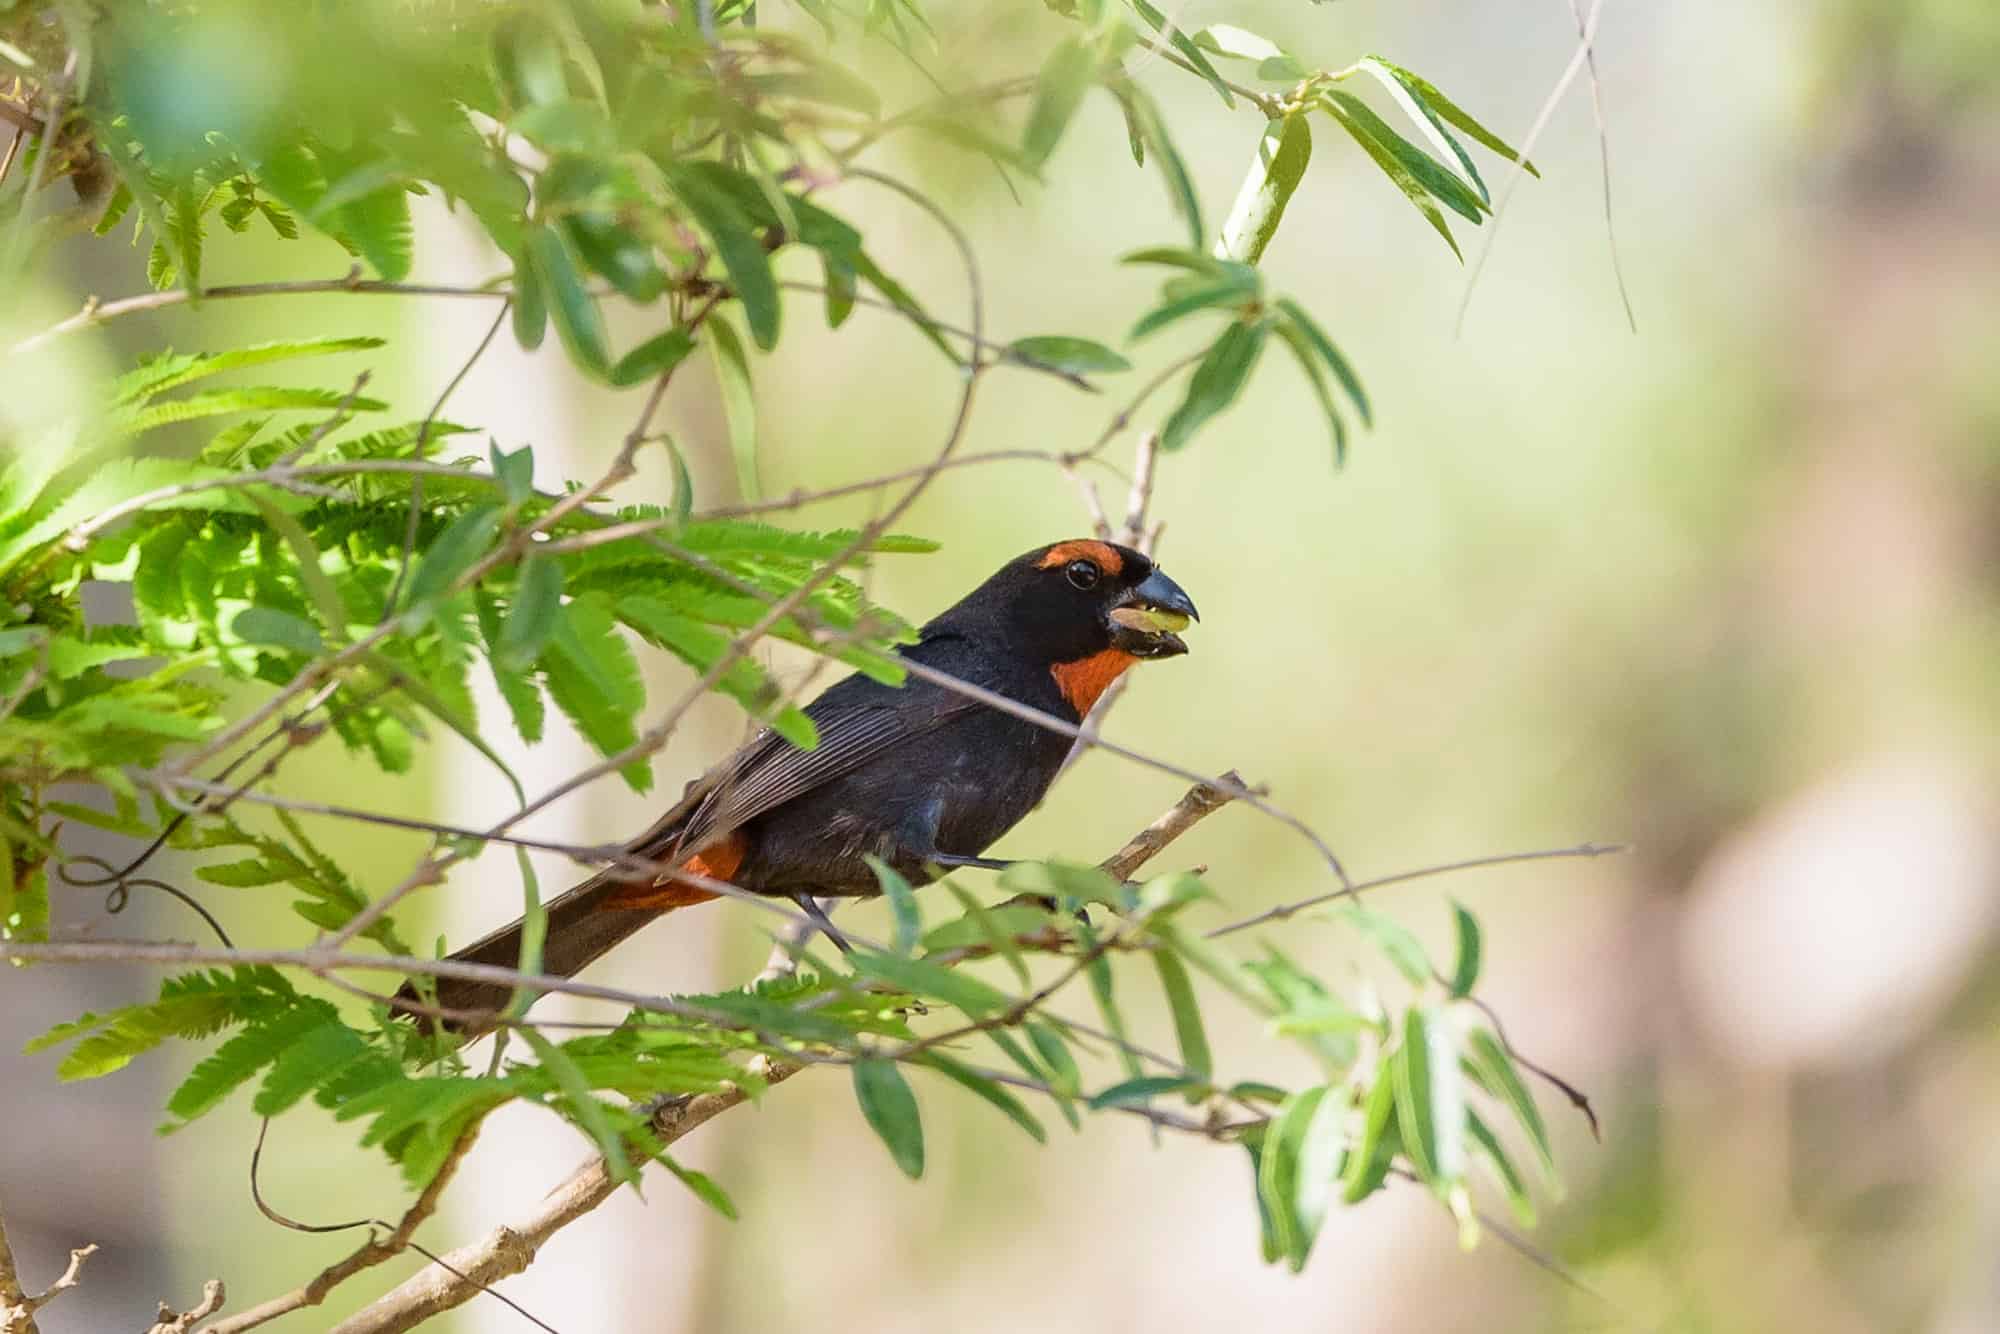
{"x": 919, "y": 775}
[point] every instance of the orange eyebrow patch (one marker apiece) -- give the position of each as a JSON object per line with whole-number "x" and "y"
{"x": 1103, "y": 554}
{"x": 717, "y": 863}
{"x": 1084, "y": 680}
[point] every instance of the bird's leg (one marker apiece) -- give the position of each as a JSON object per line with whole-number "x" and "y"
{"x": 810, "y": 907}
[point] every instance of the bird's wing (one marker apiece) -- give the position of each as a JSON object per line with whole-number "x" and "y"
{"x": 770, "y": 771}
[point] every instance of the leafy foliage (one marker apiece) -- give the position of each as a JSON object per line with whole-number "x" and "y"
{"x": 290, "y": 569}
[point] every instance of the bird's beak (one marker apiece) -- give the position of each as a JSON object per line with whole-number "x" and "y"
{"x": 1146, "y": 620}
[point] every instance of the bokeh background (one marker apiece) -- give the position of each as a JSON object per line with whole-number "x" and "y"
{"x": 1726, "y": 588}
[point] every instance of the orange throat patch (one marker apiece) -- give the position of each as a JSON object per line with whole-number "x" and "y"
{"x": 1082, "y": 682}
{"x": 718, "y": 862}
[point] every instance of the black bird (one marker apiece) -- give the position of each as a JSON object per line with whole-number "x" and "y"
{"x": 919, "y": 775}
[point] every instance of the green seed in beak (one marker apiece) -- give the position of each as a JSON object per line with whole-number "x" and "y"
{"x": 1151, "y": 620}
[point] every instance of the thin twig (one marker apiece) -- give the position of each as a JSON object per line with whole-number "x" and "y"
{"x": 17, "y": 1304}
{"x": 1285, "y": 910}
{"x": 1604, "y": 164}
{"x": 1519, "y": 169}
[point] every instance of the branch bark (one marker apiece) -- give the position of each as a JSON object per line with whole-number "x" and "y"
{"x": 511, "y": 1248}
{"x": 17, "y": 1305}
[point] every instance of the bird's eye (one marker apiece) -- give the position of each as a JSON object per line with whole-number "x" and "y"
{"x": 1082, "y": 574}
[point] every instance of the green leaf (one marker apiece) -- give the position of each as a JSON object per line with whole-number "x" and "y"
{"x": 1278, "y": 1174}
{"x": 1493, "y": 1070}
{"x": 1386, "y": 157}
{"x": 652, "y": 358}
{"x": 1303, "y": 353}
{"x": 921, "y": 978}
{"x": 1203, "y": 296}
{"x": 1466, "y": 972}
{"x": 1237, "y": 43}
{"x": 463, "y": 541}
{"x": 1075, "y": 356}
{"x": 1059, "y": 90}
{"x": 1182, "y": 43}
{"x": 281, "y": 629}
{"x": 531, "y": 616}
{"x": 578, "y": 320}
{"x": 1147, "y": 127}
{"x": 306, "y": 1063}
{"x": 239, "y": 1060}
{"x": 581, "y": 1102}
{"x": 1216, "y": 382}
{"x": 1436, "y": 101}
{"x": 1425, "y": 119}
{"x": 1064, "y": 1077}
{"x": 521, "y": 692}
{"x": 530, "y": 311}
{"x": 891, "y": 1111}
{"x": 1188, "y": 1030}
{"x": 1434, "y": 176}
{"x": 1430, "y": 1100}
{"x": 739, "y": 401}
{"x": 903, "y": 908}
{"x": 841, "y": 288}
{"x": 515, "y": 471}
{"x": 245, "y": 874}
{"x": 988, "y": 1089}
{"x": 595, "y": 681}
{"x": 1395, "y": 941}
{"x": 1366, "y": 1166}
{"x": 742, "y": 253}
{"x": 1487, "y": 1146}
{"x": 702, "y": 1185}
{"x": 1296, "y": 316}
{"x": 1320, "y": 1147}
{"x": 1132, "y": 1092}
{"x": 1283, "y": 152}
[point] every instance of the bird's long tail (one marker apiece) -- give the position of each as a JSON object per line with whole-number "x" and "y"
{"x": 584, "y": 923}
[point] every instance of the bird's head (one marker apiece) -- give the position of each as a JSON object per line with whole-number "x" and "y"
{"x": 1085, "y": 608}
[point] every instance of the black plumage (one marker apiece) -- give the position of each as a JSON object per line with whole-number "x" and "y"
{"x": 918, "y": 775}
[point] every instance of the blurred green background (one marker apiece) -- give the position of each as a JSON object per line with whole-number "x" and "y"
{"x": 1727, "y": 589}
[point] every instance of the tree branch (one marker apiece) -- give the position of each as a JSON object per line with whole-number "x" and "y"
{"x": 511, "y": 1247}
{"x": 17, "y": 1305}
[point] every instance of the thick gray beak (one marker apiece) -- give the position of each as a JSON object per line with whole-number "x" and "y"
{"x": 1144, "y": 621}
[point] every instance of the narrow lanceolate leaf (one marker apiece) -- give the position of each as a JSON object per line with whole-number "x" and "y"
{"x": 1493, "y": 1069}
{"x": 1216, "y": 382}
{"x": 1318, "y": 1170}
{"x": 1392, "y": 167}
{"x": 742, "y": 253}
{"x": 1426, "y": 119}
{"x": 1308, "y": 360}
{"x": 1188, "y": 1029}
{"x": 1278, "y": 1174}
{"x": 1368, "y": 1158}
{"x": 1132, "y": 1092}
{"x": 529, "y": 307}
{"x": 464, "y": 540}
{"x": 1275, "y": 172}
{"x": 891, "y": 1111}
{"x": 581, "y": 1102}
{"x": 1148, "y": 132}
{"x": 531, "y": 615}
{"x": 1450, "y": 112}
{"x": 577, "y": 318}
{"x": 1184, "y": 44}
{"x": 702, "y": 1185}
{"x": 903, "y": 908}
{"x": 655, "y": 356}
{"x": 994, "y": 1093}
{"x": 280, "y": 629}
{"x": 1076, "y": 356}
{"x": 1487, "y": 1145}
{"x": 1430, "y": 1098}
{"x": 1323, "y": 346}
{"x": 1059, "y": 90}
{"x": 1433, "y": 175}
{"x": 1465, "y": 973}
{"x": 739, "y": 403}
